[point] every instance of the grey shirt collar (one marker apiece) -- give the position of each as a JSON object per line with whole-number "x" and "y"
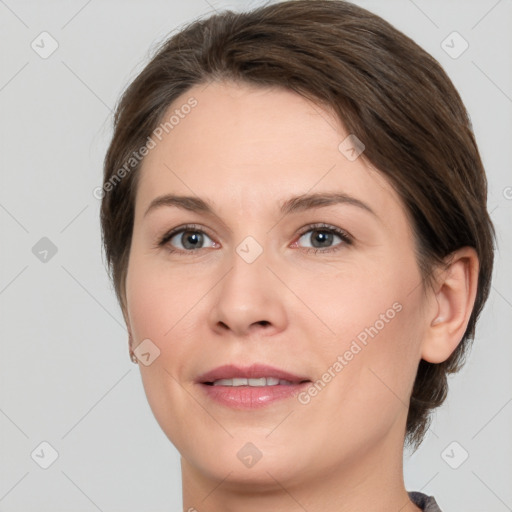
{"x": 426, "y": 503}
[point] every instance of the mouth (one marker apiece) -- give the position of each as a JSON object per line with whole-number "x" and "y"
{"x": 257, "y": 375}
{"x": 257, "y": 383}
{"x": 250, "y": 387}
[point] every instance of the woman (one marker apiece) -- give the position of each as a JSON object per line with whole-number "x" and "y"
{"x": 294, "y": 217}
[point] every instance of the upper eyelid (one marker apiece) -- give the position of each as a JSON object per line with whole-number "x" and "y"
{"x": 322, "y": 226}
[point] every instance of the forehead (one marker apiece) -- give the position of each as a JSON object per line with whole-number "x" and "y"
{"x": 250, "y": 147}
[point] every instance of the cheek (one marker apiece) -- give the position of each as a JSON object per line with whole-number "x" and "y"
{"x": 157, "y": 305}
{"x": 374, "y": 337}
{"x": 157, "y": 310}
{"x": 357, "y": 302}
{"x": 382, "y": 379}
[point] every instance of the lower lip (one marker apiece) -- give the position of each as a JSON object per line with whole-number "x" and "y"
{"x": 252, "y": 397}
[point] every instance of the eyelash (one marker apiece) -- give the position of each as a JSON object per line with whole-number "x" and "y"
{"x": 345, "y": 237}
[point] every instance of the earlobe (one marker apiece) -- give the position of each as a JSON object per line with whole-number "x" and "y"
{"x": 133, "y": 357}
{"x": 455, "y": 297}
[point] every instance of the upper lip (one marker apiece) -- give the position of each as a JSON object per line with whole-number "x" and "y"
{"x": 254, "y": 371}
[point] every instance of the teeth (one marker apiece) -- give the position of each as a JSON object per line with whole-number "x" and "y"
{"x": 263, "y": 381}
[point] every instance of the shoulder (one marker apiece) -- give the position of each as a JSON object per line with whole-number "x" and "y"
{"x": 426, "y": 503}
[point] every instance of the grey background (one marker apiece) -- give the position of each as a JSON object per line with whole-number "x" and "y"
{"x": 65, "y": 375}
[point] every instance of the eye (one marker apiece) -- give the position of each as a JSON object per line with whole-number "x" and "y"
{"x": 186, "y": 239}
{"x": 323, "y": 237}
{"x": 190, "y": 238}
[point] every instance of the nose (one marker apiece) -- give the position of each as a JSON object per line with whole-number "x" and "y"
{"x": 249, "y": 299}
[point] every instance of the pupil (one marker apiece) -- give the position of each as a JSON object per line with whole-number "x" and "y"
{"x": 194, "y": 235}
{"x": 324, "y": 235}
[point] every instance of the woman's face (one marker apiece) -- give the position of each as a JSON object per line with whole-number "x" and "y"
{"x": 262, "y": 279}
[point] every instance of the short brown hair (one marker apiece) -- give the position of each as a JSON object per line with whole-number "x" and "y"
{"x": 383, "y": 87}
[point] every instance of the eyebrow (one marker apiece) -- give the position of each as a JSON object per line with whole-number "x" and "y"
{"x": 292, "y": 205}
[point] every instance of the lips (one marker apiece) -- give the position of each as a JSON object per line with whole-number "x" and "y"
{"x": 237, "y": 375}
{"x": 252, "y": 387}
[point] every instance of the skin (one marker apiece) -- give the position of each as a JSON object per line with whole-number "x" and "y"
{"x": 246, "y": 150}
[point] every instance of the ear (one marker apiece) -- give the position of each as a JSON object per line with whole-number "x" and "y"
{"x": 455, "y": 294}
